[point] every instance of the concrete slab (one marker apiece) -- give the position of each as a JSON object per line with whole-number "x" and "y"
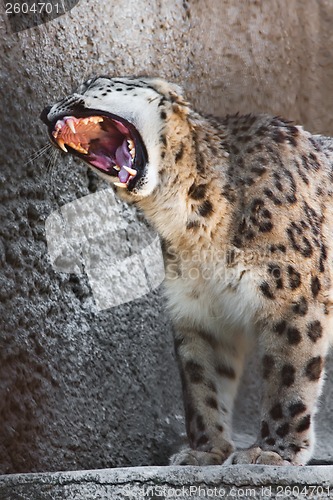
{"x": 256, "y": 481}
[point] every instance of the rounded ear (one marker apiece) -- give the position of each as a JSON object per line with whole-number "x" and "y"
{"x": 172, "y": 92}
{"x": 176, "y": 94}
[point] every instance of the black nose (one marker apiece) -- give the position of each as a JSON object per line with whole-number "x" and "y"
{"x": 44, "y": 113}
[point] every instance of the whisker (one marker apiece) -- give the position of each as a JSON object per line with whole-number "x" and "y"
{"x": 51, "y": 168}
{"x": 49, "y": 163}
{"x": 38, "y": 153}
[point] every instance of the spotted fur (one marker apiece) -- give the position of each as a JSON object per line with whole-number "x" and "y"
{"x": 243, "y": 206}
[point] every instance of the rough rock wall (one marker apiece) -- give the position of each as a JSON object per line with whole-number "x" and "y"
{"x": 86, "y": 389}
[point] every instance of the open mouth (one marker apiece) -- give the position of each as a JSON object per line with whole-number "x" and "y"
{"x": 107, "y": 142}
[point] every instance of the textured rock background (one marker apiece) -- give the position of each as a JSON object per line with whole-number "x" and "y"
{"x": 86, "y": 389}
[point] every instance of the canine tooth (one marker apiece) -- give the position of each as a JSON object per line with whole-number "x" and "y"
{"x": 131, "y": 171}
{"x": 120, "y": 184}
{"x": 61, "y": 144}
{"x": 70, "y": 123}
{"x": 116, "y": 167}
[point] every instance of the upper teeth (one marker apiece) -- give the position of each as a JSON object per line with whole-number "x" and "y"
{"x": 78, "y": 147}
{"x": 70, "y": 123}
{"x": 95, "y": 119}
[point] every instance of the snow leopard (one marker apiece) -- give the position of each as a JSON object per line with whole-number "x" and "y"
{"x": 243, "y": 206}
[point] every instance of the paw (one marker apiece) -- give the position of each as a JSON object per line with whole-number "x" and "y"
{"x": 187, "y": 456}
{"x": 256, "y": 455}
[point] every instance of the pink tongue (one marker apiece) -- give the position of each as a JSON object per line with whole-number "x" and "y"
{"x": 123, "y": 156}
{"x": 101, "y": 161}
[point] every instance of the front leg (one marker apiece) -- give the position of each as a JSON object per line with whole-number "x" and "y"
{"x": 292, "y": 359}
{"x": 210, "y": 368}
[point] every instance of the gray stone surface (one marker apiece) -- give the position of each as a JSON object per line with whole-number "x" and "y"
{"x": 81, "y": 388}
{"x": 163, "y": 483}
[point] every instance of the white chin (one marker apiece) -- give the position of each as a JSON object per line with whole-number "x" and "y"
{"x": 149, "y": 182}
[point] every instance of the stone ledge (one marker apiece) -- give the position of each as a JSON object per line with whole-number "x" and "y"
{"x": 229, "y": 482}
